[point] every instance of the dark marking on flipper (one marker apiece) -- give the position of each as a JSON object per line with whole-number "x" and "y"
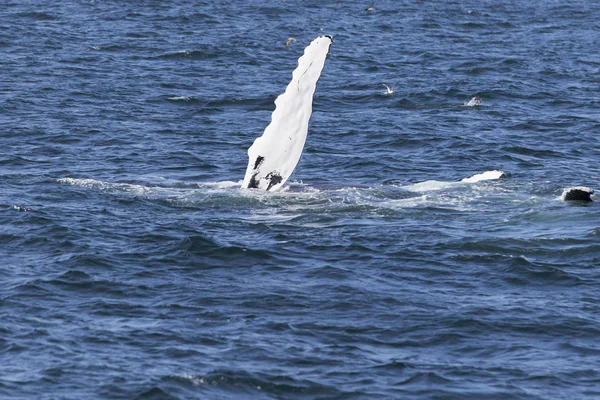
{"x": 259, "y": 161}
{"x": 253, "y": 184}
{"x": 274, "y": 179}
{"x": 304, "y": 73}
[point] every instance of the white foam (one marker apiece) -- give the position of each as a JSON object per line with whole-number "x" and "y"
{"x": 220, "y": 185}
{"x": 296, "y": 199}
{"x": 429, "y": 186}
{"x": 184, "y": 98}
{"x": 277, "y": 152}
{"x": 194, "y": 380}
{"x": 175, "y": 193}
{"x": 106, "y": 186}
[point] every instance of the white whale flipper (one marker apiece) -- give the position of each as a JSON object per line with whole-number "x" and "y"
{"x": 274, "y": 155}
{"x": 485, "y": 176}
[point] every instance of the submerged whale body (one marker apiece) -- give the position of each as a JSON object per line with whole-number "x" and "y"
{"x": 273, "y": 157}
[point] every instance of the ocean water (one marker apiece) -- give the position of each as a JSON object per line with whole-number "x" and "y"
{"x": 134, "y": 267}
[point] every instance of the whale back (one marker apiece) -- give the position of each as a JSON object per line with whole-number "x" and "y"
{"x": 273, "y": 157}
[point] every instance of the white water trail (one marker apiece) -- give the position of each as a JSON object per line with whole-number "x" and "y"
{"x": 274, "y": 156}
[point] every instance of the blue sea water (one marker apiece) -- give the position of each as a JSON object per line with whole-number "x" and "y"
{"x": 133, "y": 266}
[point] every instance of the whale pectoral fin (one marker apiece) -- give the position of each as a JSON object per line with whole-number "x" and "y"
{"x": 290, "y": 120}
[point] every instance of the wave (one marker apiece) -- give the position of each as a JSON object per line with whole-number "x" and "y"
{"x": 248, "y": 384}
{"x": 183, "y": 98}
{"x": 106, "y": 186}
{"x": 37, "y": 15}
{"x": 216, "y": 103}
{"x": 209, "y": 52}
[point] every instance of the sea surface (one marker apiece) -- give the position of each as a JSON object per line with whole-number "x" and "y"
{"x": 132, "y": 265}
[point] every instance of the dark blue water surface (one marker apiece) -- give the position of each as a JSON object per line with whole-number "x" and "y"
{"x": 133, "y": 266}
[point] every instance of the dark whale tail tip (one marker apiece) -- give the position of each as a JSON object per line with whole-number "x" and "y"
{"x": 578, "y": 193}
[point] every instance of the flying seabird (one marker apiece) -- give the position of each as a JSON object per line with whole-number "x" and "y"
{"x": 289, "y": 41}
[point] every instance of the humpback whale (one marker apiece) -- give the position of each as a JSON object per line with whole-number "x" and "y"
{"x": 273, "y": 157}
